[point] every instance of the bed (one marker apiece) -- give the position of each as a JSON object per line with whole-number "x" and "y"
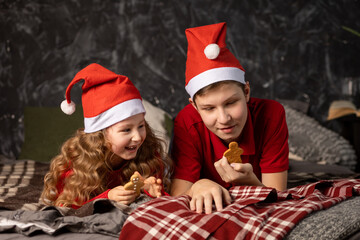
{"x": 317, "y": 175}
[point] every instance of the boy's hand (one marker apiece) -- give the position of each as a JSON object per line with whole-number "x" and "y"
{"x": 120, "y": 195}
{"x": 237, "y": 173}
{"x": 204, "y": 192}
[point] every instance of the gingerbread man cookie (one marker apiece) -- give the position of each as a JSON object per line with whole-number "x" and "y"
{"x": 233, "y": 154}
{"x": 136, "y": 183}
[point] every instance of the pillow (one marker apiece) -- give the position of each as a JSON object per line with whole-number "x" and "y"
{"x": 315, "y": 143}
{"x": 160, "y": 121}
{"x": 47, "y": 128}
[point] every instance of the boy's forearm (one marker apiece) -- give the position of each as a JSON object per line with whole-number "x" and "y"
{"x": 180, "y": 187}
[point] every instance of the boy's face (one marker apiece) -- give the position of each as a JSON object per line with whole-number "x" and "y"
{"x": 224, "y": 110}
{"x": 127, "y": 136}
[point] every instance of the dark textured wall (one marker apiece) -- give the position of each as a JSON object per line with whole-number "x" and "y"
{"x": 297, "y": 50}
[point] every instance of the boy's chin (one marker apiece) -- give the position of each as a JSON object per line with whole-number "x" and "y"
{"x": 227, "y": 139}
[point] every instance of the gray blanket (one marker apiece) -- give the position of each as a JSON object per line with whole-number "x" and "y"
{"x": 101, "y": 216}
{"x": 341, "y": 221}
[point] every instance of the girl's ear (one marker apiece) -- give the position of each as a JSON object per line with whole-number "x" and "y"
{"x": 247, "y": 91}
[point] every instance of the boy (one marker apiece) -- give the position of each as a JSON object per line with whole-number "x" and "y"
{"x": 221, "y": 111}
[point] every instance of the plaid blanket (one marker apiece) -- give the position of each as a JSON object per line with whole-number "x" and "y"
{"x": 256, "y": 213}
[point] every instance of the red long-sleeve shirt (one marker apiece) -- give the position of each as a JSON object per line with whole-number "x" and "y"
{"x": 114, "y": 182}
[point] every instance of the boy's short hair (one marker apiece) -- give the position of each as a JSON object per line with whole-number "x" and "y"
{"x": 215, "y": 85}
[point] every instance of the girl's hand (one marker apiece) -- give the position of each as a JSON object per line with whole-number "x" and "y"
{"x": 237, "y": 173}
{"x": 120, "y": 195}
{"x": 153, "y": 186}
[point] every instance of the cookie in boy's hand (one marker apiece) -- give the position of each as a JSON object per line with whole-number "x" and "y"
{"x": 233, "y": 154}
{"x": 136, "y": 183}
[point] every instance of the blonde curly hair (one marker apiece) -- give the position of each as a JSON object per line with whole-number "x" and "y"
{"x": 88, "y": 155}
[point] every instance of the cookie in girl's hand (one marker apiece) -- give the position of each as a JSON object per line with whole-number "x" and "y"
{"x": 233, "y": 154}
{"x": 136, "y": 183}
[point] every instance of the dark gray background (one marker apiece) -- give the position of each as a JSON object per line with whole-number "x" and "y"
{"x": 297, "y": 50}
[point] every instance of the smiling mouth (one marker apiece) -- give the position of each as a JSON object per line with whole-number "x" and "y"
{"x": 131, "y": 148}
{"x": 227, "y": 129}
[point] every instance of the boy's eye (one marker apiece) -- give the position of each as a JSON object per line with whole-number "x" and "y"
{"x": 231, "y": 102}
{"x": 208, "y": 108}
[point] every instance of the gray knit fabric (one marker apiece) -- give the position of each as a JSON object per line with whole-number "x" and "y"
{"x": 315, "y": 143}
{"x": 336, "y": 223}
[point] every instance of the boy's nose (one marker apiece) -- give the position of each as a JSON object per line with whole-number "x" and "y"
{"x": 223, "y": 116}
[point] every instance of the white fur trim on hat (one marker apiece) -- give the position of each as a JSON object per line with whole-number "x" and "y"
{"x": 212, "y": 76}
{"x": 68, "y": 108}
{"x": 212, "y": 51}
{"x": 113, "y": 115}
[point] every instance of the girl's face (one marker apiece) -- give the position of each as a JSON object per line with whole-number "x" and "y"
{"x": 224, "y": 110}
{"x": 127, "y": 136}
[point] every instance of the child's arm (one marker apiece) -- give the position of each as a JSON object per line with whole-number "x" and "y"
{"x": 237, "y": 173}
{"x": 275, "y": 180}
{"x": 153, "y": 187}
{"x": 120, "y": 195}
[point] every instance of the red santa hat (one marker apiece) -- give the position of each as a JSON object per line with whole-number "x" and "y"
{"x": 107, "y": 98}
{"x": 208, "y": 59}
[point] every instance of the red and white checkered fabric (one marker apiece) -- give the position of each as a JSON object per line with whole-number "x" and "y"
{"x": 256, "y": 213}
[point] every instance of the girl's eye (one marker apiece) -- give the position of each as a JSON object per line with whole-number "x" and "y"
{"x": 142, "y": 125}
{"x": 126, "y": 130}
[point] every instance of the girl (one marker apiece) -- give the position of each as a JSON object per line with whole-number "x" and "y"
{"x": 115, "y": 143}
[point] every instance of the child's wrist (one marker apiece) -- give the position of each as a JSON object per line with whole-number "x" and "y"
{"x": 147, "y": 193}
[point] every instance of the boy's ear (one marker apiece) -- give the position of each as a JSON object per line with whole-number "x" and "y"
{"x": 247, "y": 91}
{"x": 192, "y": 103}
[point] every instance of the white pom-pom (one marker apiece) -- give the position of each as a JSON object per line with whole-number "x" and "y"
{"x": 212, "y": 51}
{"x": 68, "y": 108}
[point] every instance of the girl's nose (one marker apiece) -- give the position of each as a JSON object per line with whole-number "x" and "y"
{"x": 136, "y": 136}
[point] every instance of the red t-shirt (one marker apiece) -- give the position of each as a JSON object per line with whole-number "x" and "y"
{"x": 264, "y": 140}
